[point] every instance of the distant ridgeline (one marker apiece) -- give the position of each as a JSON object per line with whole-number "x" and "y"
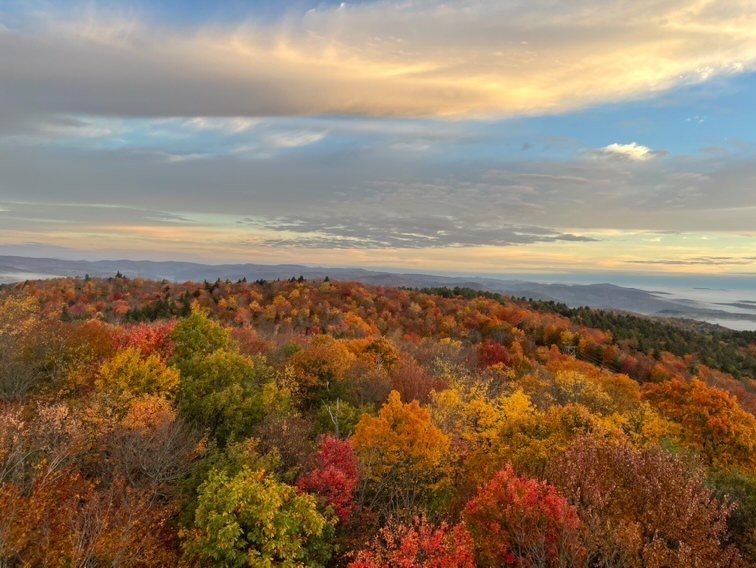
{"x": 330, "y": 423}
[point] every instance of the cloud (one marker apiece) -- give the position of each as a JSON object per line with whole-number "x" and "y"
{"x": 700, "y": 261}
{"x": 631, "y": 151}
{"x": 385, "y": 191}
{"x": 441, "y": 58}
{"x": 29, "y": 214}
{"x": 556, "y": 178}
{"x": 41, "y": 128}
{"x": 232, "y": 125}
{"x": 411, "y": 146}
{"x": 179, "y": 158}
{"x": 63, "y": 127}
{"x": 294, "y": 139}
{"x": 413, "y": 231}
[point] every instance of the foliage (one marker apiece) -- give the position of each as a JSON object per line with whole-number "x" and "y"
{"x": 713, "y": 423}
{"x": 516, "y": 521}
{"x": 108, "y": 429}
{"x": 67, "y": 520}
{"x": 321, "y": 366}
{"x": 197, "y": 336}
{"x": 252, "y": 520}
{"x": 129, "y": 374}
{"x": 223, "y": 392}
{"x": 402, "y": 457}
{"x": 334, "y": 476}
{"x": 740, "y": 489}
{"x": 643, "y": 507}
{"x": 151, "y": 446}
{"x": 231, "y": 460}
{"x": 339, "y": 417}
{"x": 418, "y": 544}
{"x": 150, "y": 339}
{"x": 413, "y": 382}
{"x": 19, "y": 314}
{"x": 722, "y": 349}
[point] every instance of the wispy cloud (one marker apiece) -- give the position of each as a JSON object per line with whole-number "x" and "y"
{"x": 294, "y": 139}
{"x": 408, "y": 231}
{"x": 179, "y": 158}
{"x": 232, "y": 125}
{"x": 581, "y": 194}
{"x": 700, "y": 261}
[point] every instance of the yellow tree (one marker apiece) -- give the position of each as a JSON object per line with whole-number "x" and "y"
{"x": 483, "y": 430}
{"x": 403, "y": 457}
{"x": 18, "y": 316}
{"x": 129, "y": 374}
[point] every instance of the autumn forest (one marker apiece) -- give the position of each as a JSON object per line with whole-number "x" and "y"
{"x": 324, "y": 423}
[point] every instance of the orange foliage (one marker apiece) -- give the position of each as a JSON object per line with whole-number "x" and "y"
{"x": 713, "y": 423}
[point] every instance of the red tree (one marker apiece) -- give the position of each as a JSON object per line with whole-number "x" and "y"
{"x": 491, "y": 353}
{"x": 418, "y": 545}
{"x": 516, "y": 521}
{"x": 148, "y": 338}
{"x": 334, "y": 477}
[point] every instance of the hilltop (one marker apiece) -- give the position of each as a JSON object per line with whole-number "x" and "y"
{"x": 365, "y": 418}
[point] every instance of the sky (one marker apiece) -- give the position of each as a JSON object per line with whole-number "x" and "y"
{"x": 451, "y": 136}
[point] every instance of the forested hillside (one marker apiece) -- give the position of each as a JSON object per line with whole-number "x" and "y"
{"x": 327, "y": 423}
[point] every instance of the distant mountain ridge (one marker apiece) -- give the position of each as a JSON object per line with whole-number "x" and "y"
{"x": 606, "y": 296}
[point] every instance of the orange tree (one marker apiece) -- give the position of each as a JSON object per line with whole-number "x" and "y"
{"x": 713, "y": 423}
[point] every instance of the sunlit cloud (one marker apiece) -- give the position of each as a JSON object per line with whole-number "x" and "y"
{"x": 472, "y": 58}
{"x": 179, "y": 158}
{"x": 631, "y": 151}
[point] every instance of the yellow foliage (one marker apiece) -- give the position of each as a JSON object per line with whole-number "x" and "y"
{"x": 401, "y": 433}
{"x": 403, "y": 455}
{"x": 128, "y": 373}
{"x": 18, "y": 316}
{"x": 516, "y": 405}
{"x": 324, "y": 361}
{"x": 572, "y": 387}
{"x": 644, "y": 426}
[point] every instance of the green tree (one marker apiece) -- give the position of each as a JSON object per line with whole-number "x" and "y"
{"x": 251, "y": 519}
{"x": 221, "y": 389}
{"x": 223, "y": 392}
{"x": 197, "y": 335}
